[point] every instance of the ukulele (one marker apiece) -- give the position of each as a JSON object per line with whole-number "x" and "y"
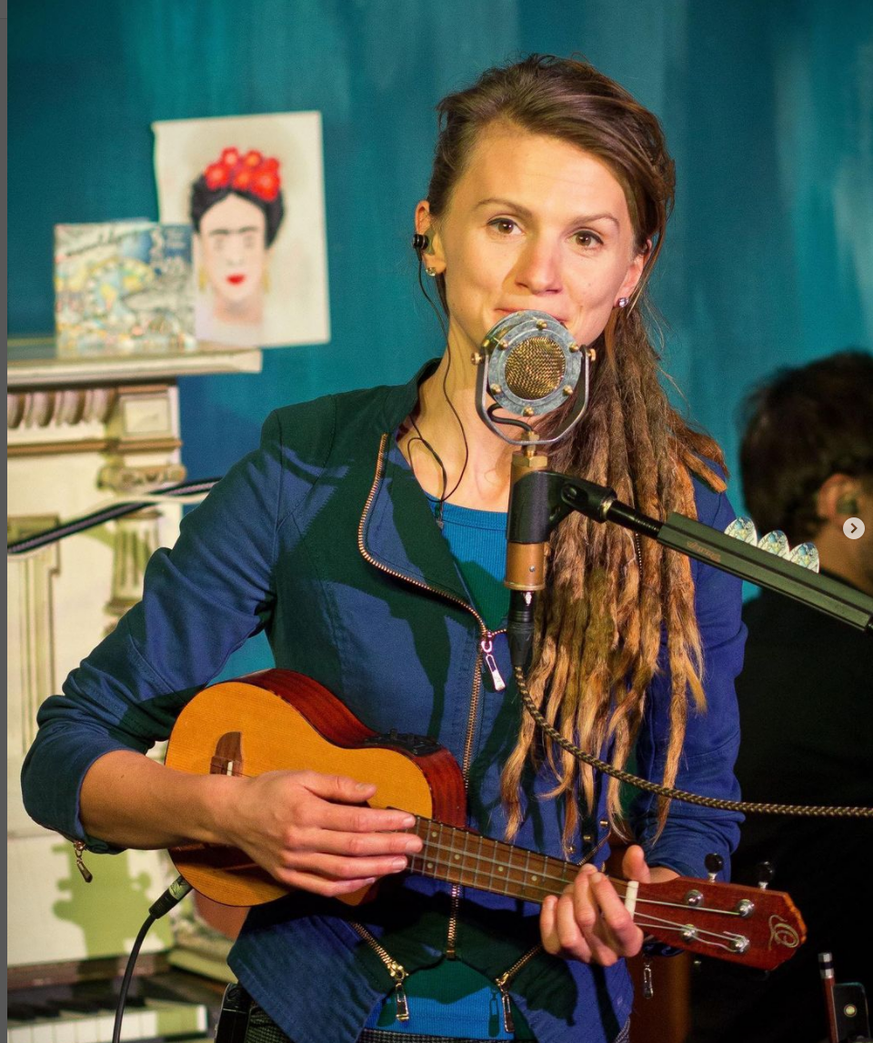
{"x": 277, "y": 719}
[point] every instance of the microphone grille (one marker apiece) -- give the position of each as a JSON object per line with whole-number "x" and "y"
{"x": 534, "y": 368}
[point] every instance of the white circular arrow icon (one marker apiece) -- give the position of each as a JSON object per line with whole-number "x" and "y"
{"x": 854, "y": 528}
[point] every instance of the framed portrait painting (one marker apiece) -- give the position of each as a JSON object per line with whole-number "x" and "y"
{"x": 252, "y": 188}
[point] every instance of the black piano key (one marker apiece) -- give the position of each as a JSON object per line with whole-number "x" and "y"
{"x": 19, "y": 1011}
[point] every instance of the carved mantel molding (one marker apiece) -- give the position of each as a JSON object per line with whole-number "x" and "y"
{"x": 38, "y": 407}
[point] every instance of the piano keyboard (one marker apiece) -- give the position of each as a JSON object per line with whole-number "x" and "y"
{"x": 87, "y": 1015}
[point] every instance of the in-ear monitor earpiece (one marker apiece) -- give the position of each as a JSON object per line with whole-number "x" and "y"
{"x": 847, "y": 504}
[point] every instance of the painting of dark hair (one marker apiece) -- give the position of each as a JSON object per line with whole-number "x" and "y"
{"x": 203, "y": 198}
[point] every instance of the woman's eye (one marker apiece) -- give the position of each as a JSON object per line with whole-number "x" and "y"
{"x": 588, "y": 239}
{"x": 503, "y": 225}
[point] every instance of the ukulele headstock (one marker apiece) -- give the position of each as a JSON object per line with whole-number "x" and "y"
{"x": 746, "y": 925}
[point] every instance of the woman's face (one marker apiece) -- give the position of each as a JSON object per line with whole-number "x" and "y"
{"x": 232, "y": 240}
{"x": 533, "y": 223}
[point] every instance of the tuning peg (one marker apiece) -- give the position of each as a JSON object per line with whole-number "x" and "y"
{"x": 714, "y": 864}
{"x": 764, "y": 873}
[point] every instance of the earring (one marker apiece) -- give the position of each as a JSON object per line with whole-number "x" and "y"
{"x": 420, "y": 242}
{"x": 622, "y": 302}
{"x": 201, "y": 279}
{"x": 847, "y": 504}
{"x": 430, "y": 271}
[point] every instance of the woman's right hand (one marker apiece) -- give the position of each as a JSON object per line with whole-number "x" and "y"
{"x": 314, "y": 831}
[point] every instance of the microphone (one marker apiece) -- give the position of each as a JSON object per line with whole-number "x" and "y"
{"x": 527, "y": 531}
{"x": 529, "y": 365}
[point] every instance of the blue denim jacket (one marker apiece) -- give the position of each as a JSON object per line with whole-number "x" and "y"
{"x": 324, "y": 538}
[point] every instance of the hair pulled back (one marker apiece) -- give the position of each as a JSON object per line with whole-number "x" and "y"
{"x": 608, "y": 597}
{"x": 573, "y": 101}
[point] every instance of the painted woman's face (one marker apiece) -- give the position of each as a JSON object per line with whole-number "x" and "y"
{"x": 534, "y": 222}
{"x": 233, "y": 251}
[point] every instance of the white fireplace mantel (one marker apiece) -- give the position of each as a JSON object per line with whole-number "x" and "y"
{"x": 80, "y": 431}
{"x": 32, "y": 363}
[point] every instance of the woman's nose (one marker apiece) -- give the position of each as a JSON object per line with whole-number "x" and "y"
{"x": 234, "y": 252}
{"x": 538, "y": 267}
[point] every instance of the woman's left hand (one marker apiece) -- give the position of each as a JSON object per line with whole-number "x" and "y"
{"x": 589, "y": 921}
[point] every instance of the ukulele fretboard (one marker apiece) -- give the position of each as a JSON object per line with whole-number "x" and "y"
{"x": 463, "y": 857}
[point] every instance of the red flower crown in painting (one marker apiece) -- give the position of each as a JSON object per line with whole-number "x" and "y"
{"x": 250, "y": 173}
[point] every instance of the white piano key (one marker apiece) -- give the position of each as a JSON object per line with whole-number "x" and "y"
{"x": 43, "y": 1032}
{"x": 157, "y": 1018}
{"x": 19, "y": 1032}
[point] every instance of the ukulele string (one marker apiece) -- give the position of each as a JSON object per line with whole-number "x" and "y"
{"x": 486, "y": 864}
{"x": 424, "y": 825}
{"x": 536, "y": 892}
{"x": 717, "y": 939}
{"x": 543, "y": 874}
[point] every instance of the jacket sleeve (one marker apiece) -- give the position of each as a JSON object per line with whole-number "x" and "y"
{"x": 201, "y": 601}
{"x": 712, "y": 737}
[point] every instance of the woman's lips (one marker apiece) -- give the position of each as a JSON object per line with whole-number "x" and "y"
{"x": 513, "y": 311}
{"x": 235, "y": 280}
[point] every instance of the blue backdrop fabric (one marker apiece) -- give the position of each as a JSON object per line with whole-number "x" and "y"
{"x": 768, "y": 109}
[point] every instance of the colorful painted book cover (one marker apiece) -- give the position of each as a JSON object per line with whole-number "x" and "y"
{"x": 123, "y": 288}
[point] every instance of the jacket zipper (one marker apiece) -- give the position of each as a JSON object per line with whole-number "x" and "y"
{"x": 502, "y": 984}
{"x": 397, "y": 971}
{"x": 486, "y": 649}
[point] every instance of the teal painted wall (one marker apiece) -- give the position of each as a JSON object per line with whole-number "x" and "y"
{"x": 768, "y": 108}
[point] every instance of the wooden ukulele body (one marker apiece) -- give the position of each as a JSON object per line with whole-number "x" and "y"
{"x": 286, "y": 721}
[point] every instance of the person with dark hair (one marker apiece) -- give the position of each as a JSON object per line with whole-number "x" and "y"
{"x": 805, "y": 700}
{"x": 367, "y": 537}
{"x": 236, "y": 210}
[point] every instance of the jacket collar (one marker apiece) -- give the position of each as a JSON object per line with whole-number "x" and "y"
{"x": 398, "y": 533}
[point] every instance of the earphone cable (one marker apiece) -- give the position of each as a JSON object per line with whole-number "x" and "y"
{"x": 446, "y": 495}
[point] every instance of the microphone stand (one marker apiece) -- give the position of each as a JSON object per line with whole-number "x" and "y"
{"x": 546, "y": 497}
{"x": 540, "y": 499}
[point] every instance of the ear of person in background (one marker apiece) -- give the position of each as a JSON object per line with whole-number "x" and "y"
{"x": 805, "y": 700}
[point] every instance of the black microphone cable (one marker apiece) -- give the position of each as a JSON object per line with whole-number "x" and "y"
{"x": 106, "y": 514}
{"x": 170, "y": 898}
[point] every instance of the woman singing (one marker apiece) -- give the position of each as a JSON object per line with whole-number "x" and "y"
{"x": 367, "y": 537}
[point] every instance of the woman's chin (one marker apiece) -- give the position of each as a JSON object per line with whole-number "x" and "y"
{"x": 246, "y": 311}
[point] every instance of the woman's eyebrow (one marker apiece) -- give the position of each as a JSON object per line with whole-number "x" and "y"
{"x": 524, "y": 212}
{"x": 232, "y": 231}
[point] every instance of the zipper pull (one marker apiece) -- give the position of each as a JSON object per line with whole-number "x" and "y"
{"x": 401, "y": 1003}
{"x": 487, "y": 647}
{"x": 508, "y": 1023}
{"x": 79, "y": 847}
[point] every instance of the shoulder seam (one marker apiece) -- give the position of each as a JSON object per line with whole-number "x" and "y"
{"x": 282, "y": 518}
